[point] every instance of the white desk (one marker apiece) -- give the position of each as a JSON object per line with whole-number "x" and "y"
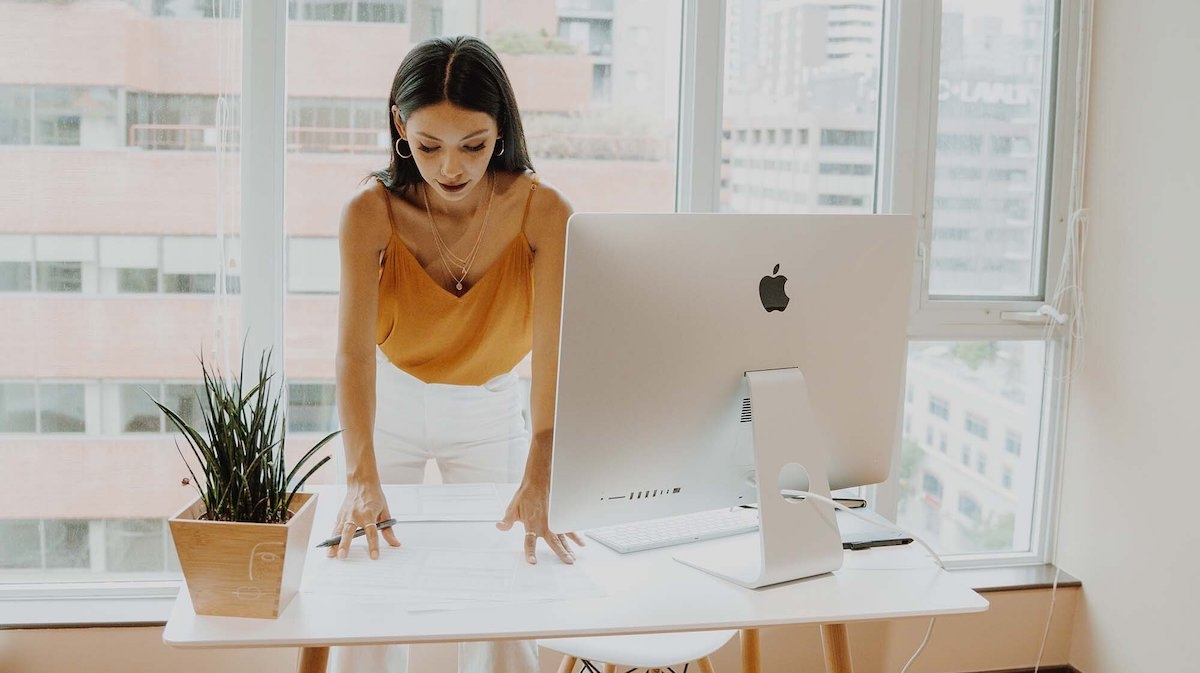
{"x": 645, "y": 592}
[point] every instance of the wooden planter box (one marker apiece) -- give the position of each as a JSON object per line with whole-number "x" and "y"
{"x": 242, "y": 569}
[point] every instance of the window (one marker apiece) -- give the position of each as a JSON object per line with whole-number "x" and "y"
{"x": 981, "y": 463}
{"x": 1012, "y": 443}
{"x": 799, "y": 129}
{"x": 969, "y": 507}
{"x": 61, "y": 408}
{"x": 16, "y": 276}
{"x": 991, "y": 95}
{"x": 18, "y": 407}
{"x": 976, "y": 426}
{"x": 932, "y": 486}
{"x": 311, "y": 407}
{"x": 939, "y": 407}
{"x": 966, "y": 454}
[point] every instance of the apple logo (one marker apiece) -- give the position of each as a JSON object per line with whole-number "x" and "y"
{"x": 771, "y": 292}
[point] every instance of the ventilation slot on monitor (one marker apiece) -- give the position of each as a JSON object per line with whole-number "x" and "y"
{"x": 652, "y": 493}
{"x": 747, "y": 417}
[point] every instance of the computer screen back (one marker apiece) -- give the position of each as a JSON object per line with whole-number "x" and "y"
{"x": 663, "y": 314}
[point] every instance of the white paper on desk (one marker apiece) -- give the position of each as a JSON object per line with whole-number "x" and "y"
{"x": 445, "y": 502}
{"x": 446, "y": 579}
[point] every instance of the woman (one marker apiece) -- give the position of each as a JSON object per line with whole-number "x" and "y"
{"x": 440, "y": 256}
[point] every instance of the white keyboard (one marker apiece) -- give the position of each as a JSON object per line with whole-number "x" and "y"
{"x": 673, "y": 530}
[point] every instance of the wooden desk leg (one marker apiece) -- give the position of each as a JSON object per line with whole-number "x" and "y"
{"x": 751, "y": 655}
{"x": 313, "y": 659}
{"x": 837, "y": 649}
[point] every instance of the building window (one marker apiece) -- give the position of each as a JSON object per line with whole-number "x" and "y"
{"x": 939, "y": 407}
{"x": 16, "y": 276}
{"x": 966, "y": 455}
{"x": 1006, "y": 477}
{"x": 18, "y": 408}
{"x": 311, "y": 407}
{"x": 929, "y": 436}
{"x": 60, "y": 277}
{"x": 976, "y": 426}
{"x": 932, "y": 486}
{"x": 942, "y": 442}
{"x": 1012, "y": 443}
{"x": 969, "y": 507}
{"x": 846, "y": 169}
{"x": 847, "y": 138}
{"x": 981, "y": 463}
{"x": 841, "y": 200}
{"x": 61, "y": 407}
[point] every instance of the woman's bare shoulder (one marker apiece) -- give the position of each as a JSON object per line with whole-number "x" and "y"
{"x": 365, "y": 216}
{"x": 548, "y": 212}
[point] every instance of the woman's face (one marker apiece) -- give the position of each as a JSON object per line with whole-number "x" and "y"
{"x": 451, "y": 146}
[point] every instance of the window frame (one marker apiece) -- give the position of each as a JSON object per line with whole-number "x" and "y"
{"x": 908, "y": 135}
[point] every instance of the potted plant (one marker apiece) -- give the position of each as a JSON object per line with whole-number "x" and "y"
{"x": 242, "y": 542}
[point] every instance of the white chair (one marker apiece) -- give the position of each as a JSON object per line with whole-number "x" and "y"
{"x": 650, "y": 651}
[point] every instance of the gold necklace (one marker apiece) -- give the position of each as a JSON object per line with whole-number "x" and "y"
{"x": 445, "y": 253}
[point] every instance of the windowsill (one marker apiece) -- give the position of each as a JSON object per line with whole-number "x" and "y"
{"x": 1014, "y": 578}
{"x": 65, "y": 613}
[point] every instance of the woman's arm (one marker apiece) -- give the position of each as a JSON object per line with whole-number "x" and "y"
{"x": 546, "y": 230}
{"x": 363, "y": 235}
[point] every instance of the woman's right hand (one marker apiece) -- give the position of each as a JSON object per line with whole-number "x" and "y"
{"x": 364, "y": 506}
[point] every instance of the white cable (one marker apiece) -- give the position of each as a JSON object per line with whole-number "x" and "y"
{"x": 1073, "y": 256}
{"x": 791, "y": 493}
{"x": 928, "y": 632}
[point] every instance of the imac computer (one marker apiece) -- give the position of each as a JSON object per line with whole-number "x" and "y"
{"x": 711, "y": 360}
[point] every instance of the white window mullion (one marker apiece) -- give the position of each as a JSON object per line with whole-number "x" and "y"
{"x": 263, "y": 119}
{"x": 702, "y": 83}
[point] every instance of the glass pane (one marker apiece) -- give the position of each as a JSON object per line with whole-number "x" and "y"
{"x": 22, "y": 546}
{"x": 18, "y": 407}
{"x": 134, "y": 545}
{"x": 987, "y": 210}
{"x": 110, "y": 174}
{"x": 16, "y": 276}
{"x": 60, "y": 276}
{"x": 138, "y": 413}
{"x": 137, "y": 280}
{"x": 16, "y": 110}
{"x": 800, "y": 106}
{"x": 187, "y": 400}
{"x": 67, "y": 543}
{"x": 311, "y": 407}
{"x": 968, "y": 465}
{"x": 61, "y": 407}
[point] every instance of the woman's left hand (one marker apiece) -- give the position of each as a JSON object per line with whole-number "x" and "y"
{"x": 530, "y": 507}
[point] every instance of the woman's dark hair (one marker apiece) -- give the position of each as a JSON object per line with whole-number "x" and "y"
{"x": 466, "y": 72}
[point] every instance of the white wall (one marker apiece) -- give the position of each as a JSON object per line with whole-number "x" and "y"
{"x": 1133, "y": 440}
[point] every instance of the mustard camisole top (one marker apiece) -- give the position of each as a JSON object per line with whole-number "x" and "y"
{"x": 439, "y": 337}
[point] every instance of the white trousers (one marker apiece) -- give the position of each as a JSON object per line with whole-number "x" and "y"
{"x": 475, "y": 434}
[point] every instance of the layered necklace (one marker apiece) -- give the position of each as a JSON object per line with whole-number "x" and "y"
{"x": 446, "y": 254}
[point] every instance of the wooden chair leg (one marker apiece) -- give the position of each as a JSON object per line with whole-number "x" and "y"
{"x": 705, "y": 665}
{"x": 610, "y": 668}
{"x": 568, "y": 664}
{"x": 751, "y": 657}
{"x": 313, "y": 659}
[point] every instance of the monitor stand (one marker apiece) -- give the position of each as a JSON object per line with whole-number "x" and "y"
{"x": 796, "y": 538}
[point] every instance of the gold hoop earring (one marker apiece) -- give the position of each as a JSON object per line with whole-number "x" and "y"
{"x": 501, "y": 152}
{"x": 401, "y": 154}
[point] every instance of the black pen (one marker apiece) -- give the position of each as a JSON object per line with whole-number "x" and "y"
{"x": 337, "y": 539}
